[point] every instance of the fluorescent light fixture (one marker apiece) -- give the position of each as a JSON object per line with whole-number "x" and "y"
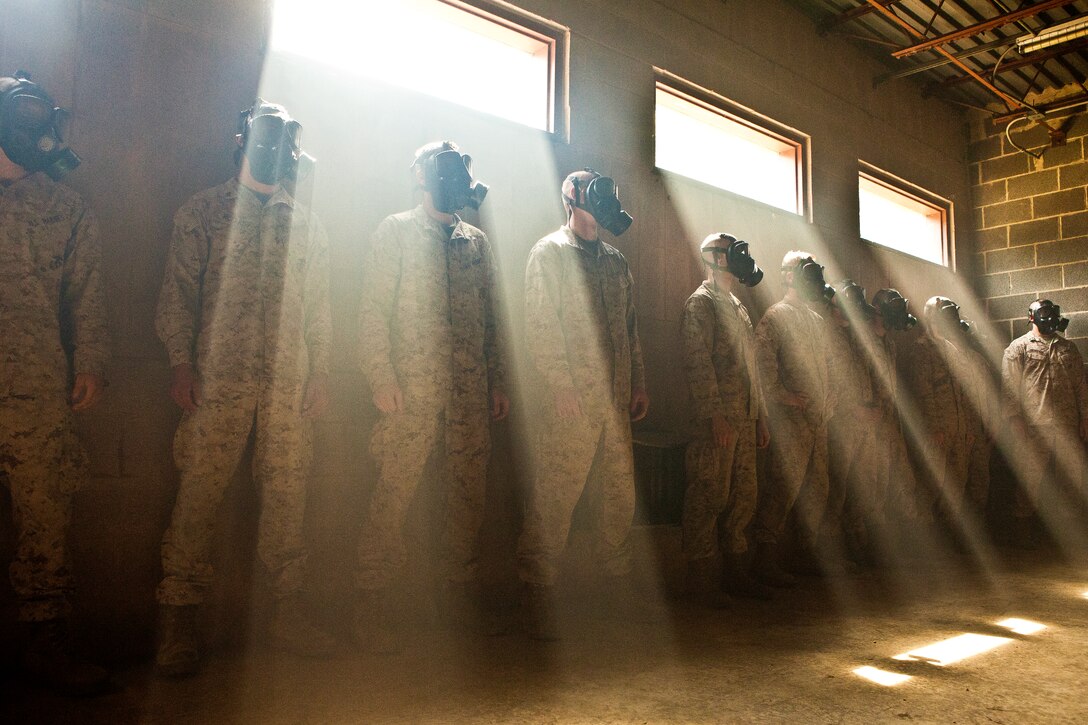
{"x": 1055, "y": 35}
{"x": 881, "y": 677}
{"x": 953, "y": 650}
{"x": 1021, "y": 626}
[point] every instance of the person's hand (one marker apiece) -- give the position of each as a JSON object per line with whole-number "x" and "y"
{"x": 640, "y": 404}
{"x": 389, "y": 399}
{"x": 185, "y": 388}
{"x": 567, "y": 406}
{"x": 763, "y": 434}
{"x": 316, "y": 398}
{"x": 500, "y": 405}
{"x": 723, "y": 433}
{"x": 794, "y": 400}
{"x": 86, "y": 391}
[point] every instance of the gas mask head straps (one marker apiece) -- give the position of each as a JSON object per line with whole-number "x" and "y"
{"x": 600, "y": 197}
{"x": 808, "y": 277}
{"x": 894, "y": 309}
{"x": 447, "y": 176}
{"x": 272, "y": 143}
{"x": 1047, "y": 316}
{"x": 33, "y": 128}
{"x": 726, "y": 253}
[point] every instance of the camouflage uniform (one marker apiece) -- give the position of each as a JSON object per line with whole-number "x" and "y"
{"x": 849, "y": 436}
{"x": 52, "y": 326}
{"x": 428, "y": 323}
{"x": 1044, "y": 381}
{"x": 793, "y": 356}
{"x": 582, "y": 335}
{"x": 245, "y": 301}
{"x": 719, "y": 352}
{"x": 936, "y": 380}
{"x": 983, "y": 411}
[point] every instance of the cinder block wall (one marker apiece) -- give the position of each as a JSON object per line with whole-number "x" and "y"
{"x": 156, "y": 87}
{"x": 1032, "y": 222}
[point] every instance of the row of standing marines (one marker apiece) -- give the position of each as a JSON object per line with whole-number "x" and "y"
{"x": 244, "y": 316}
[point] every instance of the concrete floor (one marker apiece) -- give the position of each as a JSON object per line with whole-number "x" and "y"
{"x": 790, "y": 660}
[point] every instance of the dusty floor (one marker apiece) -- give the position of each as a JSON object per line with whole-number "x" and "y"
{"x": 790, "y": 660}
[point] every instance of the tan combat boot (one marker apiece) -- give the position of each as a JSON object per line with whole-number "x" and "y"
{"x": 49, "y": 660}
{"x": 737, "y": 581}
{"x": 704, "y": 584}
{"x": 178, "y": 654}
{"x": 538, "y": 611}
{"x": 293, "y": 631}
{"x": 372, "y": 623}
{"x": 765, "y": 567}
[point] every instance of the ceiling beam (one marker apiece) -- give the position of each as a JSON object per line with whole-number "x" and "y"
{"x": 977, "y": 28}
{"x": 851, "y": 14}
{"x": 1012, "y": 102}
{"x": 1033, "y": 59}
{"x": 1059, "y": 104}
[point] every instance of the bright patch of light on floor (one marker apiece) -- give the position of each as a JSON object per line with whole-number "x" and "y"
{"x": 1084, "y": 594}
{"x": 881, "y": 677}
{"x": 953, "y": 650}
{"x": 1021, "y": 626}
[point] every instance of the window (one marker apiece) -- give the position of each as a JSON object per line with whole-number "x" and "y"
{"x": 901, "y": 216}
{"x": 707, "y": 138}
{"x": 493, "y": 60}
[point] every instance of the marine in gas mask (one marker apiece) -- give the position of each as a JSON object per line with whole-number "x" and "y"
{"x": 431, "y": 345}
{"x": 270, "y": 142}
{"x": 54, "y": 344}
{"x": 1046, "y": 406}
{"x": 583, "y": 346}
{"x": 728, "y": 423}
{"x": 33, "y": 128}
{"x": 244, "y": 316}
{"x": 938, "y": 383}
{"x": 894, "y": 310}
{"x": 793, "y": 354}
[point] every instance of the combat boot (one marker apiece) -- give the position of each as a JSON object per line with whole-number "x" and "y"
{"x": 464, "y": 609}
{"x": 372, "y": 623}
{"x": 627, "y": 603}
{"x": 704, "y": 585}
{"x": 765, "y": 567}
{"x": 1023, "y": 533}
{"x": 737, "y": 581}
{"x": 48, "y": 659}
{"x": 538, "y": 612}
{"x": 178, "y": 654}
{"x": 293, "y": 631}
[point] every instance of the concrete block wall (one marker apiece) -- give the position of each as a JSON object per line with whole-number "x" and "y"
{"x": 156, "y": 86}
{"x": 1031, "y": 217}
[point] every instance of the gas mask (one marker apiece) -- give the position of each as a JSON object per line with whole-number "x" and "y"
{"x": 601, "y": 200}
{"x": 447, "y": 175}
{"x": 32, "y": 128}
{"x": 851, "y": 300}
{"x": 808, "y": 280}
{"x": 726, "y": 253}
{"x": 271, "y": 142}
{"x": 894, "y": 310}
{"x": 1047, "y": 316}
{"x": 943, "y": 315}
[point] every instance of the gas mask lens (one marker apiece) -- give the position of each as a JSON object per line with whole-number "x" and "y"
{"x": 1048, "y": 318}
{"x": 603, "y": 203}
{"x": 448, "y": 177}
{"x": 32, "y": 130}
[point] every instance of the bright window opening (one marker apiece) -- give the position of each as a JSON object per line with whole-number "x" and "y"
{"x": 450, "y": 50}
{"x": 898, "y": 219}
{"x": 710, "y": 144}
